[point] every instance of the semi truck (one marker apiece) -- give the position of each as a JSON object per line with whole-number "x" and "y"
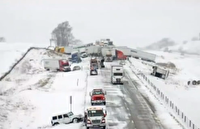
{"x": 93, "y": 66}
{"x": 75, "y": 58}
{"x": 143, "y": 55}
{"x": 57, "y": 65}
{"x": 126, "y": 51}
{"x": 120, "y": 55}
{"x": 108, "y": 57}
{"x": 117, "y": 74}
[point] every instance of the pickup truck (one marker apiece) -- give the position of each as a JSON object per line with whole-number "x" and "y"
{"x": 98, "y": 96}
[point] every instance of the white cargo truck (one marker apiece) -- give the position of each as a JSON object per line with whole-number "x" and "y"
{"x": 57, "y": 65}
{"x": 160, "y": 72}
{"x": 68, "y": 50}
{"x": 93, "y": 50}
{"x": 117, "y": 74}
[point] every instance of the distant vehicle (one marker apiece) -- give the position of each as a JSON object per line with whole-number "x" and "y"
{"x": 160, "y": 72}
{"x": 120, "y": 55}
{"x": 126, "y": 51}
{"x": 66, "y": 118}
{"x": 102, "y": 63}
{"x": 76, "y": 68}
{"x": 98, "y": 96}
{"x": 93, "y": 66}
{"x": 57, "y": 65}
{"x": 95, "y": 117}
{"x": 75, "y": 58}
{"x": 150, "y": 57}
{"x": 84, "y": 55}
{"x": 122, "y": 62}
{"x": 107, "y": 54}
{"x": 117, "y": 74}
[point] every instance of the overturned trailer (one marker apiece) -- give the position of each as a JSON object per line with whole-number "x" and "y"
{"x": 160, "y": 72}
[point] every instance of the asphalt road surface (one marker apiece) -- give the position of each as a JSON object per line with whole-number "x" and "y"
{"x": 127, "y": 108}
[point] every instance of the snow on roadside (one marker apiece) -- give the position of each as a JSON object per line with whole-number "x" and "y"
{"x": 52, "y": 102}
{"x": 25, "y": 92}
{"x": 183, "y": 97}
{"x": 165, "y": 118}
{"x": 10, "y": 52}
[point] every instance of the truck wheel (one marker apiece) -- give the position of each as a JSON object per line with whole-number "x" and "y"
{"x": 55, "y": 123}
{"x": 104, "y": 127}
{"x": 198, "y": 82}
{"x": 88, "y": 127}
{"x": 92, "y": 104}
{"x": 104, "y": 103}
{"x": 194, "y": 82}
{"x": 75, "y": 120}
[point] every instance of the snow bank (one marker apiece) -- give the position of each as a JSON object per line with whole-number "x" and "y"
{"x": 11, "y": 52}
{"x": 177, "y": 98}
{"x": 29, "y": 95}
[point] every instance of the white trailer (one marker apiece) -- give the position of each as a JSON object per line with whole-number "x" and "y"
{"x": 143, "y": 55}
{"x": 125, "y": 50}
{"x": 93, "y": 50}
{"x": 117, "y": 74}
{"x": 56, "y": 65}
{"x": 68, "y": 50}
{"x": 160, "y": 72}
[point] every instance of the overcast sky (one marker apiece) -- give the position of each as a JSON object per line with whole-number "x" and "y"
{"x": 126, "y": 22}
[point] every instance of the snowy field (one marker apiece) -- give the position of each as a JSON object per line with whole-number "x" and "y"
{"x": 11, "y": 52}
{"x": 29, "y": 95}
{"x": 185, "y": 97}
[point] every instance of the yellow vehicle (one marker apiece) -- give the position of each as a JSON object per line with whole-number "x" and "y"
{"x": 60, "y": 49}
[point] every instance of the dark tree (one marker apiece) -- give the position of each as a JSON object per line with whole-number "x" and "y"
{"x": 63, "y": 34}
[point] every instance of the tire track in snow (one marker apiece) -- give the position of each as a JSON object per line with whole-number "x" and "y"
{"x": 119, "y": 117}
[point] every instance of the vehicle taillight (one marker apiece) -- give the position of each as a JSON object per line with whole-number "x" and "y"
{"x": 103, "y": 98}
{"x": 88, "y": 121}
{"x": 103, "y": 121}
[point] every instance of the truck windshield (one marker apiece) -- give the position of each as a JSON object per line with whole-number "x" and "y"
{"x": 108, "y": 55}
{"x": 97, "y": 93}
{"x": 118, "y": 74}
{"x": 65, "y": 64}
{"x": 93, "y": 113}
{"x": 70, "y": 114}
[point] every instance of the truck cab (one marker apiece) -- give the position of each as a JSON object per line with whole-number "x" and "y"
{"x": 64, "y": 65}
{"x": 95, "y": 117}
{"x": 108, "y": 57}
{"x": 117, "y": 74}
{"x": 98, "y": 96}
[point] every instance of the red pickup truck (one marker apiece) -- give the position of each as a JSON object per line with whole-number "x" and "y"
{"x": 98, "y": 96}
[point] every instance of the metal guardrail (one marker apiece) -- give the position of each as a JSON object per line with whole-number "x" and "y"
{"x": 156, "y": 91}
